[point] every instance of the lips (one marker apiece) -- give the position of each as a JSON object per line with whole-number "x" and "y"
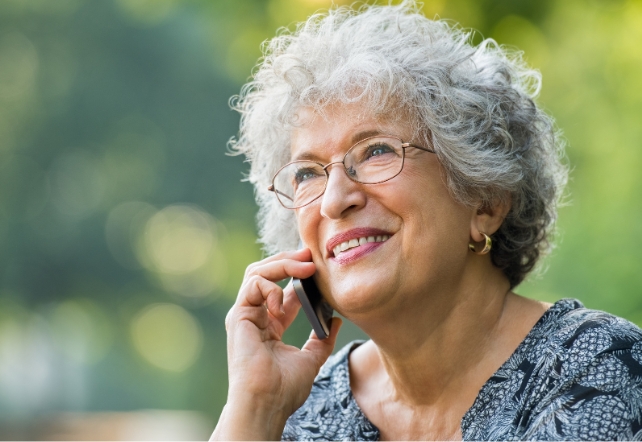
{"x": 344, "y": 242}
{"x": 348, "y": 245}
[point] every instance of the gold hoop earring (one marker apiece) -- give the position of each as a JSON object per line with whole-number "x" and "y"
{"x": 487, "y": 246}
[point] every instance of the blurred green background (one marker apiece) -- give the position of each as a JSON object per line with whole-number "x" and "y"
{"x": 125, "y": 228}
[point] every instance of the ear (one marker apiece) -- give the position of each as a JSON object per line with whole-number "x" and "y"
{"x": 488, "y": 217}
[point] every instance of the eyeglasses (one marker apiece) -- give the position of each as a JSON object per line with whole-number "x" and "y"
{"x": 372, "y": 160}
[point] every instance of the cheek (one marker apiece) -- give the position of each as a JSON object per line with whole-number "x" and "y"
{"x": 308, "y": 224}
{"x": 303, "y": 223}
{"x": 434, "y": 224}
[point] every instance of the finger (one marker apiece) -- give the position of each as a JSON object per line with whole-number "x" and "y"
{"x": 250, "y": 320}
{"x": 320, "y": 349}
{"x": 283, "y": 268}
{"x": 291, "y": 306}
{"x": 299, "y": 255}
{"x": 256, "y": 315}
{"x": 259, "y": 291}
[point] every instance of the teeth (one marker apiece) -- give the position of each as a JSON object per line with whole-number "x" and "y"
{"x": 356, "y": 242}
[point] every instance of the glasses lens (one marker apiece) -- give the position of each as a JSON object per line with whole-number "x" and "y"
{"x": 375, "y": 160}
{"x": 298, "y": 183}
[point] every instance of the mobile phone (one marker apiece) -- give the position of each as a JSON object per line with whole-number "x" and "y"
{"x": 317, "y": 310}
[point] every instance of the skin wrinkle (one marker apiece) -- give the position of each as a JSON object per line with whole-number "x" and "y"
{"x": 427, "y": 396}
{"x": 305, "y": 214}
{"x": 489, "y": 135}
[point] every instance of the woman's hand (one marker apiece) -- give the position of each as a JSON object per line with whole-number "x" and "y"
{"x": 268, "y": 380}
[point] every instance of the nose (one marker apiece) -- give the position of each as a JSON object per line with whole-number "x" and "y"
{"x": 341, "y": 195}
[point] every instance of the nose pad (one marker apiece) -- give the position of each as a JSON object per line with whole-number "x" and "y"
{"x": 327, "y": 166}
{"x": 352, "y": 174}
{"x": 341, "y": 193}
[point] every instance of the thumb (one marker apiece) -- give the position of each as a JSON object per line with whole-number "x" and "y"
{"x": 321, "y": 349}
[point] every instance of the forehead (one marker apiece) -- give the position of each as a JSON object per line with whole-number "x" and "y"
{"x": 331, "y": 133}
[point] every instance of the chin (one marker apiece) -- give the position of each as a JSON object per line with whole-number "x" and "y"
{"x": 355, "y": 296}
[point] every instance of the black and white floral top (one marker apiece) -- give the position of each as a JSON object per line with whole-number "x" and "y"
{"x": 576, "y": 376}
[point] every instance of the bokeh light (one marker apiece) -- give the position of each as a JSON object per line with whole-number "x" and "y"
{"x": 200, "y": 283}
{"x": 178, "y": 239}
{"x": 28, "y": 373}
{"x": 167, "y": 336}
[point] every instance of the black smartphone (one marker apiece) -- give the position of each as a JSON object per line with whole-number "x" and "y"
{"x": 317, "y": 310}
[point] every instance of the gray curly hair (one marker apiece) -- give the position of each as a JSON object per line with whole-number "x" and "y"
{"x": 473, "y": 104}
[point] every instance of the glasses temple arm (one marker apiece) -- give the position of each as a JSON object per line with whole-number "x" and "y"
{"x": 271, "y": 188}
{"x": 405, "y": 145}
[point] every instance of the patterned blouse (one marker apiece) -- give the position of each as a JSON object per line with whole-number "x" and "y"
{"x": 576, "y": 376}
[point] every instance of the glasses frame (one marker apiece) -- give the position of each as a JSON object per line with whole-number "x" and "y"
{"x": 404, "y": 146}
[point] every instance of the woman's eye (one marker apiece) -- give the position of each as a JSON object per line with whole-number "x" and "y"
{"x": 378, "y": 150}
{"x": 302, "y": 175}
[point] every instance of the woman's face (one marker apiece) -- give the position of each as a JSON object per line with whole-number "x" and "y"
{"x": 428, "y": 231}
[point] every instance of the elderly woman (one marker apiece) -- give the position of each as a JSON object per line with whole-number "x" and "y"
{"x": 422, "y": 181}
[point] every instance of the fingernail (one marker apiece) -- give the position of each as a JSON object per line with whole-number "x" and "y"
{"x": 282, "y": 310}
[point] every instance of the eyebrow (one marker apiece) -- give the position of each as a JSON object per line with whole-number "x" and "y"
{"x": 355, "y": 139}
{"x": 306, "y": 156}
{"x": 365, "y": 134}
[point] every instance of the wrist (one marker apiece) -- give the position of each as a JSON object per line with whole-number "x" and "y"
{"x": 250, "y": 419}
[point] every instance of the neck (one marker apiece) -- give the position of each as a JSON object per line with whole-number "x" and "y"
{"x": 432, "y": 351}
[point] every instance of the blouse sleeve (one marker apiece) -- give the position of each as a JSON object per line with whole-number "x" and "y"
{"x": 598, "y": 395}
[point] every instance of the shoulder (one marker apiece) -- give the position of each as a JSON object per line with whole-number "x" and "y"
{"x": 582, "y": 339}
{"x": 330, "y": 412}
{"x": 597, "y": 375}
{"x": 577, "y": 375}
{"x": 576, "y": 335}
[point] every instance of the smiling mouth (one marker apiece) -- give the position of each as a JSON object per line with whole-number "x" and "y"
{"x": 356, "y": 242}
